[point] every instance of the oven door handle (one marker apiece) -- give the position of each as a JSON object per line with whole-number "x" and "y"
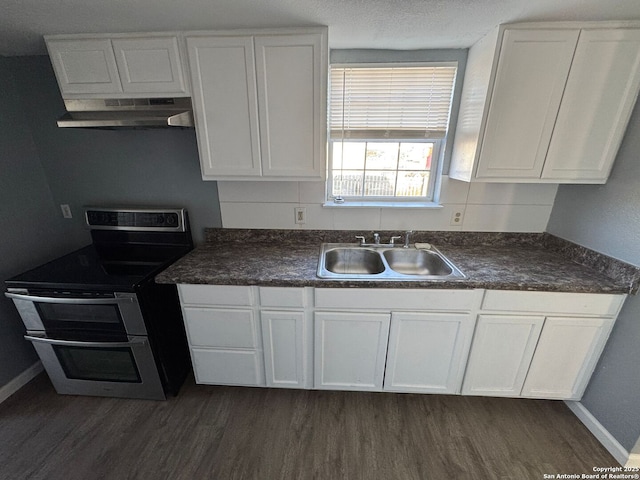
{"x": 83, "y": 301}
{"x": 70, "y": 343}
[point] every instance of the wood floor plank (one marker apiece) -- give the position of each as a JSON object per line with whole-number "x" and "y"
{"x": 210, "y": 432}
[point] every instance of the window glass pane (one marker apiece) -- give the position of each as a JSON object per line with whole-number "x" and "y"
{"x": 347, "y": 183}
{"x": 352, "y": 152}
{"x": 415, "y": 156}
{"x": 382, "y": 155}
{"x": 379, "y": 183}
{"x": 412, "y": 184}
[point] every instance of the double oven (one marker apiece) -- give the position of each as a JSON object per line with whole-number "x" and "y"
{"x": 97, "y": 319}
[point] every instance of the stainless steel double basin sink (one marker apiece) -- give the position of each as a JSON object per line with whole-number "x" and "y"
{"x": 347, "y": 261}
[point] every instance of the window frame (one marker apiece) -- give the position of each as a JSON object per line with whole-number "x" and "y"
{"x": 434, "y": 175}
{"x": 401, "y": 58}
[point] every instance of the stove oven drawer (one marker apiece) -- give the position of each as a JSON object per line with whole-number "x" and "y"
{"x": 118, "y": 369}
{"x": 118, "y": 313}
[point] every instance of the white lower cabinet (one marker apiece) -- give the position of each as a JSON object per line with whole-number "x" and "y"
{"x": 539, "y": 344}
{"x": 427, "y": 352}
{"x": 566, "y": 356}
{"x": 350, "y": 350}
{"x": 474, "y": 342}
{"x": 283, "y": 336}
{"x": 501, "y": 353}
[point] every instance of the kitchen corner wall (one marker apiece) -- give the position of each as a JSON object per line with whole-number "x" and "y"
{"x": 488, "y": 207}
{"x": 606, "y": 218}
{"x": 31, "y": 233}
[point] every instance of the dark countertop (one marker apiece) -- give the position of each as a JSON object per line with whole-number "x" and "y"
{"x": 498, "y": 265}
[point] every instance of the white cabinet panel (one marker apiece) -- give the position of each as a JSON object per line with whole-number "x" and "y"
{"x": 427, "y": 352}
{"x": 220, "y": 327}
{"x": 397, "y": 299}
{"x": 350, "y": 350}
{"x": 290, "y": 104}
{"x": 596, "y": 106}
{"x": 84, "y": 66}
{"x": 532, "y": 71}
{"x": 283, "y": 335}
{"x": 227, "y": 367}
{"x": 565, "y": 357}
{"x": 215, "y": 295}
{"x": 149, "y": 65}
{"x": 553, "y": 302}
{"x": 503, "y": 346}
{"x": 281, "y": 297}
{"x": 225, "y": 104}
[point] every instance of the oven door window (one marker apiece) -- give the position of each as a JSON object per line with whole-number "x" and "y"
{"x": 102, "y": 364}
{"x": 86, "y": 318}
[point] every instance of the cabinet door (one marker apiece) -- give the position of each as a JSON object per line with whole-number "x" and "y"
{"x": 225, "y": 105}
{"x": 427, "y": 352}
{"x": 565, "y": 357}
{"x": 291, "y": 71}
{"x": 350, "y": 350}
{"x": 532, "y": 71}
{"x": 149, "y": 65}
{"x": 596, "y": 106}
{"x": 283, "y": 337}
{"x": 84, "y": 66}
{"x": 227, "y": 367}
{"x": 501, "y": 352}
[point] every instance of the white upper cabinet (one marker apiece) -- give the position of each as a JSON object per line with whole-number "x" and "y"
{"x": 225, "y": 104}
{"x": 600, "y": 92}
{"x": 260, "y": 103}
{"x": 117, "y": 66}
{"x": 546, "y": 103}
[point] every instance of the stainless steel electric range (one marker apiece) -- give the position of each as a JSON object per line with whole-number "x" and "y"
{"x": 98, "y": 321}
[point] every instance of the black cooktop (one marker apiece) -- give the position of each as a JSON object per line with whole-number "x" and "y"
{"x": 130, "y": 246}
{"x": 96, "y": 268}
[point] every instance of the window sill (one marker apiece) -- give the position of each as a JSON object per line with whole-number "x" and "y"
{"x": 411, "y": 205}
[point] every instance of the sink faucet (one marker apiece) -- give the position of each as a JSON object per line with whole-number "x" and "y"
{"x": 376, "y": 238}
{"x": 407, "y": 236}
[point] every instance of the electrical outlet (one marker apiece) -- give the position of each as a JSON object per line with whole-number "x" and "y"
{"x": 300, "y": 215}
{"x": 66, "y": 210}
{"x": 456, "y": 218}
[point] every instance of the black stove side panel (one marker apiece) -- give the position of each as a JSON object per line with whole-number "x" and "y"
{"x": 163, "y": 317}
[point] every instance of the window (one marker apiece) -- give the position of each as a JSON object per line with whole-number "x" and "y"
{"x": 387, "y": 129}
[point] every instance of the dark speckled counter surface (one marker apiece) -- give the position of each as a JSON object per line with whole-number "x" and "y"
{"x": 489, "y": 261}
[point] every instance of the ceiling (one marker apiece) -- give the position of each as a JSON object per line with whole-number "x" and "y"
{"x": 393, "y": 24}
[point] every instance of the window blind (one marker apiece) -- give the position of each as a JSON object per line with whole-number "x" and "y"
{"x": 390, "y": 102}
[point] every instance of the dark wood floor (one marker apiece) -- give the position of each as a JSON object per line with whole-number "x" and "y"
{"x": 225, "y": 433}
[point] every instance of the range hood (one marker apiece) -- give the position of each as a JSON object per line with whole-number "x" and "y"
{"x": 127, "y": 113}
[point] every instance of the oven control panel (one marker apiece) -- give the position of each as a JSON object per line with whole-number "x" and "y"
{"x": 135, "y": 219}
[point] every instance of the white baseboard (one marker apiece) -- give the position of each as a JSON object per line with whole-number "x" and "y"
{"x": 634, "y": 460}
{"x": 20, "y": 381}
{"x": 602, "y": 434}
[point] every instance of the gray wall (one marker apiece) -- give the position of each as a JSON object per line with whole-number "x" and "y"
{"x": 606, "y": 218}
{"x": 124, "y": 167}
{"x": 31, "y": 231}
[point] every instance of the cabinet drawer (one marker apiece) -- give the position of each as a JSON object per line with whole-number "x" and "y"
{"x": 213, "y": 327}
{"x": 281, "y": 297}
{"x": 215, "y": 295}
{"x": 228, "y": 367}
{"x": 553, "y": 302}
{"x": 397, "y": 299}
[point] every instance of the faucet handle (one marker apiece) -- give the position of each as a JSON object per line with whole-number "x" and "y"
{"x": 362, "y": 239}
{"x": 393, "y": 239}
{"x": 407, "y": 236}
